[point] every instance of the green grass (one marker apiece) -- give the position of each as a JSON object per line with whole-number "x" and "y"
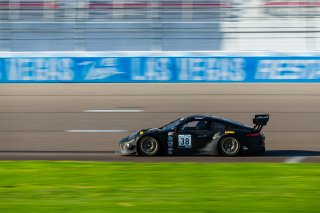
{"x": 44, "y": 186}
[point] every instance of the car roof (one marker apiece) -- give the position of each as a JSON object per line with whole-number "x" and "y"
{"x": 190, "y": 117}
{"x": 213, "y": 117}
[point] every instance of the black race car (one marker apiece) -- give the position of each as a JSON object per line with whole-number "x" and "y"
{"x": 198, "y": 135}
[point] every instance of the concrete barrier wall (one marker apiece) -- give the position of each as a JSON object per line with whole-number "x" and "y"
{"x": 157, "y": 67}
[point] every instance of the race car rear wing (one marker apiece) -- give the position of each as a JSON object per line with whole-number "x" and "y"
{"x": 260, "y": 121}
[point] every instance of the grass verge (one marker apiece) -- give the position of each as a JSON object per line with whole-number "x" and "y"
{"x": 45, "y": 186}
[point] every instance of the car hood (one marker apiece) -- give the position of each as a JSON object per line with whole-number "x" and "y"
{"x": 136, "y": 134}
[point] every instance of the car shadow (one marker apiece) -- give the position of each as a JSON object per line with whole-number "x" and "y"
{"x": 290, "y": 153}
{"x": 268, "y": 153}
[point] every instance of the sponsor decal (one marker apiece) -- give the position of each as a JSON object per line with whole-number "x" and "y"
{"x": 170, "y": 143}
{"x": 40, "y": 69}
{"x": 102, "y": 69}
{"x": 151, "y": 69}
{"x": 288, "y": 69}
{"x": 216, "y": 136}
{"x": 212, "y": 69}
{"x": 190, "y": 69}
{"x": 198, "y": 118}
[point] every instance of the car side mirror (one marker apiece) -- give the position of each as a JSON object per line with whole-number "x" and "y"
{"x": 175, "y": 129}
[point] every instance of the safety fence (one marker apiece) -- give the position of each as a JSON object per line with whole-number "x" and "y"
{"x": 159, "y": 25}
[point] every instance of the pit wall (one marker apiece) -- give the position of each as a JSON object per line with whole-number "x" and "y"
{"x": 158, "y": 67}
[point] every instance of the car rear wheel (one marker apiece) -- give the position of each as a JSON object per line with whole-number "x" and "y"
{"x": 149, "y": 146}
{"x": 229, "y": 146}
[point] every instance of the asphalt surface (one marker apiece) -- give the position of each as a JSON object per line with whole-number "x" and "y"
{"x": 52, "y": 121}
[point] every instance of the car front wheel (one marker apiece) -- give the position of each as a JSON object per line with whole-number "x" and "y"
{"x": 149, "y": 146}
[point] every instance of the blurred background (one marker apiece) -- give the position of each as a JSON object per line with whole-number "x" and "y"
{"x": 115, "y": 47}
{"x": 159, "y": 25}
{"x": 76, "y": 76}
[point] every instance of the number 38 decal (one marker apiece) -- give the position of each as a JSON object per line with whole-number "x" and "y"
{"x": 184, "y": 141}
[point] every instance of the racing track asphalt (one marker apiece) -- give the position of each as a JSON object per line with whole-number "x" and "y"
{"x": 64, "y": 121}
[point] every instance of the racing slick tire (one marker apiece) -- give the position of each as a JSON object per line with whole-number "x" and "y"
{"x": 229, "y": 146}
{"x": 149, "y": 146}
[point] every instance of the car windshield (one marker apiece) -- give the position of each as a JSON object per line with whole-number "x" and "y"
{"x": 171, "y": 125}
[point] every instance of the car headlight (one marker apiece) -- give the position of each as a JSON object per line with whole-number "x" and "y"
{"x": 130, "y": 143}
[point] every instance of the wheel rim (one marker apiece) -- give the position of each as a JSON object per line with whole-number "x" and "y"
{"x": 149, "y": 146}
{"x": 230, "y": 146}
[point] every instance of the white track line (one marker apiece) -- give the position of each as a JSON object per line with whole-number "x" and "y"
{"x": 296, "y": 159}
{"x": 110, "y": 22}
{"x": 114, "y": 110}
{"x": 95, "y": 131}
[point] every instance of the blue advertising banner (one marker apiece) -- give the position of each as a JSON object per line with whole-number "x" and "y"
{"x": 159, "y": 69}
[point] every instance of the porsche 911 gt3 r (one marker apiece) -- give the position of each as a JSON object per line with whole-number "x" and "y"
{"x": 198, "y": 135}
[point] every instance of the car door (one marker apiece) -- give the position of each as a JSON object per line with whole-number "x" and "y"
{"x": 191, "y": 136}
{"x": 217, "y": 127}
